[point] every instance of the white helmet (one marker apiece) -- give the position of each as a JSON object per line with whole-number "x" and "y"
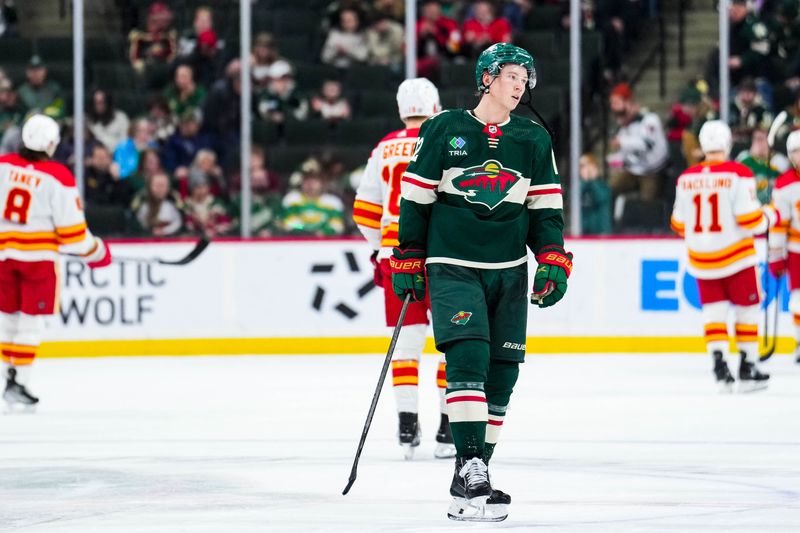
{"x": 715, "y": 136}
{"x": 793, "y": 142}
{"x": 41, "y": 133}
{"x": 418, "y": 97}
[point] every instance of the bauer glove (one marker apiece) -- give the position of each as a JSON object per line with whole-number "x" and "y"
{"x": 550, "y": 281}
{"x": 408, "y": 273}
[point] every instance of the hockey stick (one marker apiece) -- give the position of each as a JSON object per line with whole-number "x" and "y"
{"x": 195, "y": 252}
{"x": 377, "y": 395}
{"x": 769, "y": 347}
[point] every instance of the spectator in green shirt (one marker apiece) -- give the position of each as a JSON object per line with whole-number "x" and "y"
{"x": 766, "y": 167}
{"x": 311, "y": 211}
{"x": 38, "y": 94}
{"x": 595, "y": 198}
{"x": 184, "y": 95}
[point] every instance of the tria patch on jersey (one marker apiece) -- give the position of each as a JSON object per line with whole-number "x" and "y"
{"x": 487, "y": 184}
{"x": 458, "y": 145}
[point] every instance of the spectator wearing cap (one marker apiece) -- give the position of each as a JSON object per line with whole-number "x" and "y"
{"x": 641, "y": 146}
{"x": 206, "y": 59}
{"x": 157, "y": 44}
{"x": 484, "y": 28}
{"x": 438, "y": 38}
{"x": 282, "y": 100}
{"x": 108, "y": 125}
{"x": 699, "y": 109}
{"x": 267, "y": 61}
{"x": 184, "y": 95}
{"x": 205, "y": 164}
{"x": 40, "y": 95}
{"x": 346, "y": 43}
{"x": 385, "y": 42}
{"x": 747, "y": 112}
{"x": 11, "y": 118}
{"x": 204, "y": 213}
{"x": 184, "y": 144}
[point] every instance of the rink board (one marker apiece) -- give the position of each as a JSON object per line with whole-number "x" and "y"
{"x": 316, "y": 297}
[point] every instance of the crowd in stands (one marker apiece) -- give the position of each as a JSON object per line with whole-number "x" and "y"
{"x": 172, "y": 163}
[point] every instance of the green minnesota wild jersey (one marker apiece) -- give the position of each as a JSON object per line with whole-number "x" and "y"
{"x": 765, "y": 173}
{"x": 476, "y": 194}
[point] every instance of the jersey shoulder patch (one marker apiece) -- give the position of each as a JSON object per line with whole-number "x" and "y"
{"x": 787, "y": 178}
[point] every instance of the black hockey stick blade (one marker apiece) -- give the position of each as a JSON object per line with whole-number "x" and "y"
{"x": 377, "y": 395}
{"x": 198, "y": 249}
{"x": 195, "y": 252}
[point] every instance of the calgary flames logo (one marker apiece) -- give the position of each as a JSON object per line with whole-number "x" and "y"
{"x": 487, "y": 184}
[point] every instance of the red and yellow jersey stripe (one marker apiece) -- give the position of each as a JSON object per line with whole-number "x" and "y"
{"x": 722, "y": 258}
{"x": 29, "y": 241}
{"x": 389, "y": 236}
{"x": 367, "y": 214}
{"x": 71, "y": 234}
{"x": 751, "y": 220}
{"x": 677, "y": 226}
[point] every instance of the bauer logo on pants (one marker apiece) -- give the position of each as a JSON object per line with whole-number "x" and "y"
{"x": 461, "y": 318}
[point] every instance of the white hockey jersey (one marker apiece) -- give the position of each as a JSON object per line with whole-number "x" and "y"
{"x": 40, "y": 211}
{"x": 785, "y": 237}
{"x": 377, "y": 206}
{"x": 718, "y": 213}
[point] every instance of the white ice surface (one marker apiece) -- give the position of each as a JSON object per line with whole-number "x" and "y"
{"x": 260, "y": 444}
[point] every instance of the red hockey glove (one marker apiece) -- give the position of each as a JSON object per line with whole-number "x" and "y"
{"x": 550, "y": 281}
{"x": 408, "y": 273}
{"x": 377, "y": 273}
{"x": 777, "y": 268}
{"x": 100, "y": 257}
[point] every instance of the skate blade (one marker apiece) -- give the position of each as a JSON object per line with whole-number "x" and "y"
{"x": 14, "y": 408}
{"x": 476, "y": 510}
{"x": 725, "y": 388}
{"x": 747, "y": 387}
{"x": 408, "y": 451}
{"x": 444, "y": 451}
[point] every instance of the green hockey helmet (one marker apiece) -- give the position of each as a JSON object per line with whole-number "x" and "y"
{"x": 493, "y": 58}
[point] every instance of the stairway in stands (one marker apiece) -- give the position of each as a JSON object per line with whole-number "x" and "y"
{"x": 701, "y": 32}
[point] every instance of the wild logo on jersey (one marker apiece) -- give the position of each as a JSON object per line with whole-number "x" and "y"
{"x": 487, "y": 184}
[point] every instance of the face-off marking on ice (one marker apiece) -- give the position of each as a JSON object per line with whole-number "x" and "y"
{"x": 244, "y": 444}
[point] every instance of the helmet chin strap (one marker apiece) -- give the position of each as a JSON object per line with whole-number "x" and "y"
{"x": 529, "y": 103}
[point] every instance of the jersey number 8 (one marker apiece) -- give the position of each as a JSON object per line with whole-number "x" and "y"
{"x": 17, "y": 205}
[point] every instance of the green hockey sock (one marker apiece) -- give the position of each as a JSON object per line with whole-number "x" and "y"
{"x": 467, "y": 368}
{"x": 499, "y": 386}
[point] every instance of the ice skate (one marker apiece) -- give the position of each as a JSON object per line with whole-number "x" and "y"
{"x": 750, "y": 378}
{"x": 473, "y": 497}
{"x": 444, "y": 440}
{"x": 16, "y": 396}
{"x": 408, "y": 434}
{"x": 722, "y": 374}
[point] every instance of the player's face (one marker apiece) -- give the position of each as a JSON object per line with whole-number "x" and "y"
{"x": 509, "y": 85}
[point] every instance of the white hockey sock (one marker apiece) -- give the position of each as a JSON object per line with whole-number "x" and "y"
{"x": 405, "y": 379}
{"x": 441, "y": 383}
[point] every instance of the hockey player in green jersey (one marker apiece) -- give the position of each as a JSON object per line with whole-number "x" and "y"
{"x": 482, "y": 187}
